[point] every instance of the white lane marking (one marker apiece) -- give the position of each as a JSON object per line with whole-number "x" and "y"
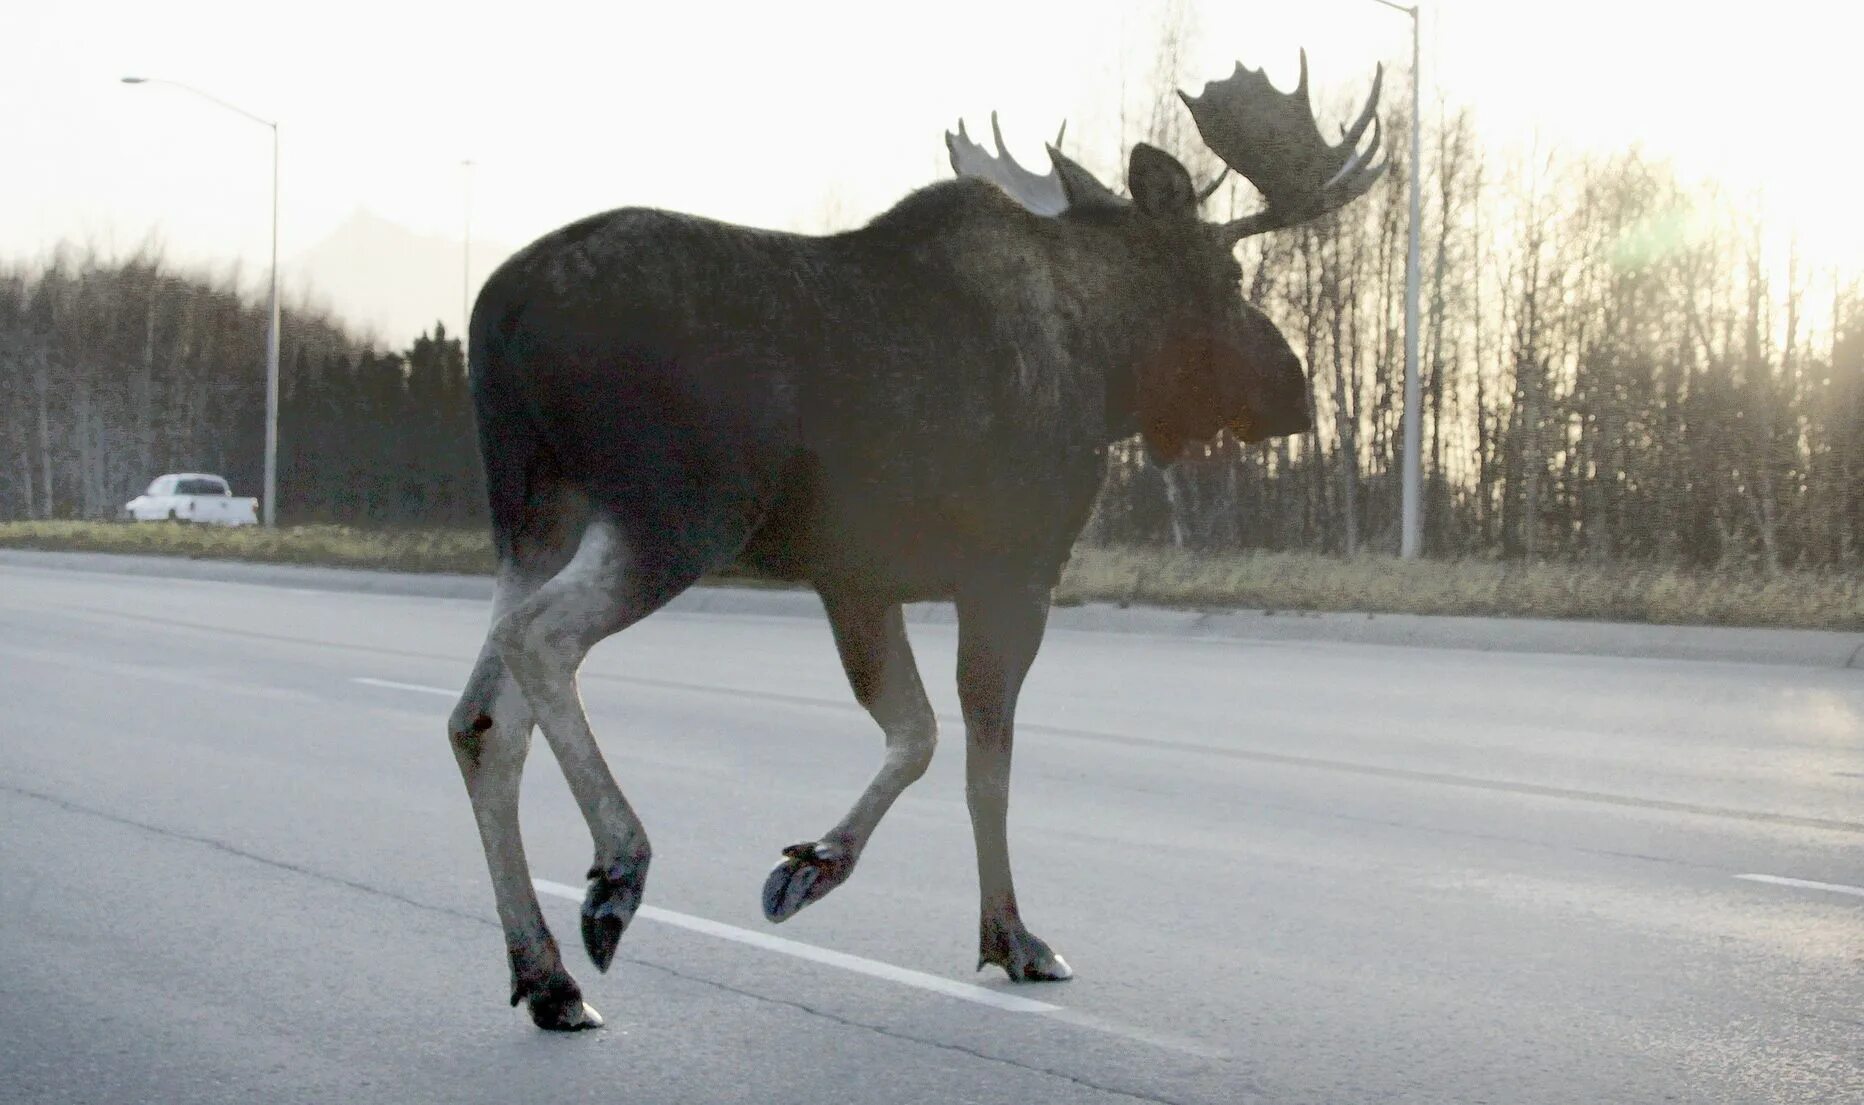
{"x": 873, "y": 968}
{"x": 394, "y": 686}
{"x": 1806, "y": 884}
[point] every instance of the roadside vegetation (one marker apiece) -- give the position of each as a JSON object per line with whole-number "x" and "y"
{"x": 409, "y": 550}
{"x": 1156, "y": 576}
{"x": 1482, "y": 588}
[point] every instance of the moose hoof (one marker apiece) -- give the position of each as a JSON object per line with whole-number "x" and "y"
{"x": 557, "y": 1005}
{"x": 574, "y": 1017}
{"x": 1022, "y": 955}
{"x": 614, "y": 894}
{"x": 808, "y": 871}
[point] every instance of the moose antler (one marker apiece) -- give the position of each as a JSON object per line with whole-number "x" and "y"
{"x": 1044, "y": 194}
{"x": 1040, "y": 193}
{"x": 1270, "y": 137}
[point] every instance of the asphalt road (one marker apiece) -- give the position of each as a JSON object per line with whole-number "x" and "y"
{"x": 237, "y": 864}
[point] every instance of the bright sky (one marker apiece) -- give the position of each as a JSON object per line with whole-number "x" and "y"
{"x": 773, "y": 114}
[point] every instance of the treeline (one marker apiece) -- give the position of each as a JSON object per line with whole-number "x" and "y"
{"x": 112, "y": 373}
{"x": 1614, "y": 368}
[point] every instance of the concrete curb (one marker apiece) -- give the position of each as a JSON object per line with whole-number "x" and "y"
{"x": 1803, "y": 647}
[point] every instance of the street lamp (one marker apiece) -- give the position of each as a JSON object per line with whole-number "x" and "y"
{"x": 269, "y": 501}
{"x": 1410, "y": 540}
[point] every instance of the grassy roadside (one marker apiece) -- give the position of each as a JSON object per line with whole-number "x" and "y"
{"x": 1274, "y": 581}
{"x": 469, "y": 552}
{"x": 1628, "y": 593}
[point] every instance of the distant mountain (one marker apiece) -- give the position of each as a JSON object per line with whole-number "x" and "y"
{"x": 387, "y": 281}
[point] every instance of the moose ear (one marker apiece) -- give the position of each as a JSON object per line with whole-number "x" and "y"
{"x": 1082, "y": 188}
{"x": 1161, "y": 187}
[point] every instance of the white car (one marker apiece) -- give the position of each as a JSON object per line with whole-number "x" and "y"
{"x": 191, "y": 497}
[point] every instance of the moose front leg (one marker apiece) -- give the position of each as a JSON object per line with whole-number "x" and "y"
{"x": 999, "y": 630}
{"x": 871, "y": 637}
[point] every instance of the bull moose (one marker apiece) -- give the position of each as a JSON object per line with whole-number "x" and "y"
{"x": 918, "y": 409}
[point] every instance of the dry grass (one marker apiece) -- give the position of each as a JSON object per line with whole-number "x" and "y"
{"x": 1278, "y": 581}
{"x": 1632, "y": 593}
{"x": 334, "y": 546}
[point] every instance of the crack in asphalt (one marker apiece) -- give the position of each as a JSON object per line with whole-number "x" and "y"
{"x": 232, "y": 850}
{"x": 479, "y": 919}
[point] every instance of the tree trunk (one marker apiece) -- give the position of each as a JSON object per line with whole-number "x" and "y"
{"x": 25, "y": 477}
{"x": 42, "y": 395}
{"x": 1177, "y": 503}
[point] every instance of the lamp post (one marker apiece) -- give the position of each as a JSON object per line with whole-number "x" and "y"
{"x": 269, "y": 500}
{"x": 1411, "y": 528}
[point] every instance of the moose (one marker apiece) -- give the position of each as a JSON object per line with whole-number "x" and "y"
{"x": 918, "y": 409}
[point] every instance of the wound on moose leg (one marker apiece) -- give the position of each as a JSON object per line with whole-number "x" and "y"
{"x": 466, "y": 744}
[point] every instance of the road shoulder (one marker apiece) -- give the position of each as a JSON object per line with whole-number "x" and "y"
{"x": 1801, "y": 647}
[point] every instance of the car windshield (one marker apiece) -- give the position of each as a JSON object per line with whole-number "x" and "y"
{"x": 200, "y": 487}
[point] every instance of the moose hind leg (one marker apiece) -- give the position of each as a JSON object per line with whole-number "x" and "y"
{"x": 543, "y": 641}
{"x": 490, "y": 731}
{"x": 999, "y": 630}
{"x": 871, "y": 637}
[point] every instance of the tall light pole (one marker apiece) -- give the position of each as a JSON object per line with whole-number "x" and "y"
{"x": 1411, "y": 528}
{"x": 269, "y": 497}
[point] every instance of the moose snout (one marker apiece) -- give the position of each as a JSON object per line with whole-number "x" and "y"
{"x": 1279, "y": 407}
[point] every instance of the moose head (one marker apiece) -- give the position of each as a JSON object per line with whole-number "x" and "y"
{"x": 1214, "y": 360}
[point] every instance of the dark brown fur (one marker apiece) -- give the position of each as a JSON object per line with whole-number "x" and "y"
{"x": 927, "y": 395}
